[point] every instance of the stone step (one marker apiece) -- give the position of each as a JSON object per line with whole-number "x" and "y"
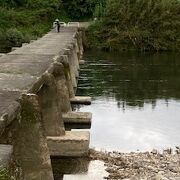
{"x": 5, "y": 155}
{"x": 81, "y": 100}
{"x": 77, "y": 118}
{"x": 72, "y": 144}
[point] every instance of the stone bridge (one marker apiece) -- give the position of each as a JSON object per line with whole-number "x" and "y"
{"x": 37, "y": 88}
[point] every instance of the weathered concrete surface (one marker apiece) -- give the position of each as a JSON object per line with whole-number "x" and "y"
{"x": 31, "y": 70}
{"x": 77, "y": 118}
{"x": 14, "y": 48}
{"x": 8, "y": 108}
{"x": 73, "y": 144}
{"x": 21, "y": 69}
{"x": 5, "y": 155}
{"x": 81, "y": 100}
{"x": 2, "y": 54}
{"x": 30, "y": 146}
{"x": 51, "y": 108}
{"x": 62, "y": 87}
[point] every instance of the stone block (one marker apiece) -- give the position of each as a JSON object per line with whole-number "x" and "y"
{"x": 81, "y": 100}
{"x": 72, "y": 144}
{"x": 77, "y": 118}
{"x": 81, "y": 62}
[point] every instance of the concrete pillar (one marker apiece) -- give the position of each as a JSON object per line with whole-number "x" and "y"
{"x": 51, "y": 109}
{"x": 64, "y": 60}
{"x": 62, "y": 88}
{"x": 80, "y": 43}
{"x": 75, "y": 56}
{"x": 76, "y": 46}
{"x": 30, "y": 146}
{"x": 72, "y": 71}
{"x": 74, "y": 60}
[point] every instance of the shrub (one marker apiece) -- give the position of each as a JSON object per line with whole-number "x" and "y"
{"x": 14, "y": 38}
{"x": 139, "y": 24}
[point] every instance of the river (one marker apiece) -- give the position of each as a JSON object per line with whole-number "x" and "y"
{"x": 135, "y": 100}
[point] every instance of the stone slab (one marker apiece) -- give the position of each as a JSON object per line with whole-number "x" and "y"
{"x": 81, "y": 100}
{"x": 5, "y": 155}
{"x": 73, "y": 144}
{"x": 77, "y": 118}
{"x": 81, "y": 62}
{"x": 34, "y": 65}
{"x": 16, "y": 82}
{"x": 50, "y": 44}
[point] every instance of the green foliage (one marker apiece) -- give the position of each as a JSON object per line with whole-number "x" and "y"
{"x": 30, "y": 3}
{"x": 23, "y": 20}
{"x": 14, "y": 38}
{"x": 4, "y": 174}
{"x": 138, "y": 24}
{"x": 99, "y": 9}
{"x": 81, "y": 9}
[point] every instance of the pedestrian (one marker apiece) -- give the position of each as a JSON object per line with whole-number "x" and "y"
{"x": 57, "y": 25}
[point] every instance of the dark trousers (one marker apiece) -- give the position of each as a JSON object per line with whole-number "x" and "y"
{"x": 58, "y": 28}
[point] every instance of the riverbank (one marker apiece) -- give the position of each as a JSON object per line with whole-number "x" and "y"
{"x": 135, "y": 104}
{"x": 152, "y": 165}
{"x": 142, "y": 25}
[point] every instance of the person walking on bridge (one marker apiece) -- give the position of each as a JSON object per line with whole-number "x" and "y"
{"x": 57, "y": 25}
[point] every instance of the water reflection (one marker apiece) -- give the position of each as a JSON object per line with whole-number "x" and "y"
{"x": 78, "y": 169}
{"x": 136, "y": 99}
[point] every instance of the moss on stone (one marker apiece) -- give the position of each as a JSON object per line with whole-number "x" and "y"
{"x": 4, "y": 174}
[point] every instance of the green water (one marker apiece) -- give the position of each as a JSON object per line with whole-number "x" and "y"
{"x": 136, "y": 99}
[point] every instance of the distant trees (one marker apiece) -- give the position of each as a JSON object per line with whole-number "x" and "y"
{"x": 139, "y": 24}
{"x": 23, "y": 20}
{"x": 81, "y": 9}
{"x": 30, "y": 3}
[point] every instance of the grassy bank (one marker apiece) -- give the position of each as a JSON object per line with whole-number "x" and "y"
{"x": 152, "y": 25}
{"x": 23, "y": 22}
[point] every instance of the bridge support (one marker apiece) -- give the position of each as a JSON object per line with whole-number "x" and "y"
{"x": 53, "y": 95}
{"x": 48, "y": 97}
{"x": 73, "y": 144}
{"x": 30, "y": 147}
{"x": 62, "y": 81}
{"x": 72, "y": 70}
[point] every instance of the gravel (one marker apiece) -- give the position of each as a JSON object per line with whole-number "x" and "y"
{"x": 152, "y": 165}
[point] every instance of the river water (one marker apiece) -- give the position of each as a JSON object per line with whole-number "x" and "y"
{"x": 135, "y": 106}
{"x": 136, "y": 99}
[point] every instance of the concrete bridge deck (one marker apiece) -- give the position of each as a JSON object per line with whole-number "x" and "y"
{"x": 22, "y": 68}
{"x": 44, "y": 72}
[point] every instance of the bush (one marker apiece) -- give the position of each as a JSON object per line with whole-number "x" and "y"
{"x": 14, "y": 38}
{"x": 138, "y": 24}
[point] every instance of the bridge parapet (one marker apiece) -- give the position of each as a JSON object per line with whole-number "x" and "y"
{"x": 43, "y": 76}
